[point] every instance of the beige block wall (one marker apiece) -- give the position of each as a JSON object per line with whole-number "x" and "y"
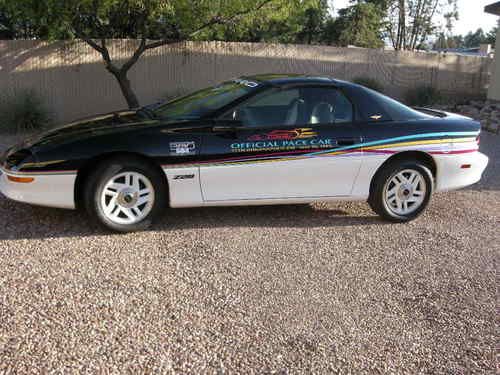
{"x": 73, "y": 81}
{"x": 494, "y": 89}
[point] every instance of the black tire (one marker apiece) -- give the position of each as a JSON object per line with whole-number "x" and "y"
{"x": 106, "y": 170}
{"x": 384, "y": 176}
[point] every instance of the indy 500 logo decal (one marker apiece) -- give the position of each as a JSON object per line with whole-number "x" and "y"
{"x": 283, "y": 140}
{"x": 182, "y": 148}
{"x": 300, "y": 133}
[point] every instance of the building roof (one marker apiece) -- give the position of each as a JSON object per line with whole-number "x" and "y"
{"x": 493, "y": 8}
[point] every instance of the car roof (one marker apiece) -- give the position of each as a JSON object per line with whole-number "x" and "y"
{"x": 292, "y": 79}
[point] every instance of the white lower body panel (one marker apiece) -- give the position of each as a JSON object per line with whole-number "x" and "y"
{"x": 186, "y": 186}
{"x": 270, "y": 202}
{"x": 458, "y": 171}
{"x": 294, "y": 179}
{"x": 449, "y": 172}
{"x": 55, "y": 190}
{"x": 454, "y": 171}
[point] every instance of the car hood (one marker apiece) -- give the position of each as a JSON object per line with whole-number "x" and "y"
{"x": 91, "y": 126}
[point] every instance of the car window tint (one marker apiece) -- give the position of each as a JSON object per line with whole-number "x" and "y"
{"x": 279, "y": 98}
{"x": 342, "y": 109}
{"x": 270, "y": 108}
{"x": 297, "y": 106}
{"x": 397, "y": 111}
{"x": 326, "y": 106}
{"x": 203, "y": 102}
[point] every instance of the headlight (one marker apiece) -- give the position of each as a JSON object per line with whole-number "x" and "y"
{"x": 15, "y": 158}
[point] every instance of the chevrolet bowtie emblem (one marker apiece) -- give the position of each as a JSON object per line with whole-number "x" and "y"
{"x": 376, "y": 117}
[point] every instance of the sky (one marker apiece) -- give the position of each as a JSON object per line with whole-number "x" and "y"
{"x": 471, "y": 15}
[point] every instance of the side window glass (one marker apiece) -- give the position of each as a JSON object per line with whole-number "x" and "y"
{"x": 342, "y": 109}
{"x": 327, "y": 106}
{"x": 395, "y": 110}
{"x": 271, "y": 108}
{"x": 276, "y": 98}
{"x": 294, "y": 107}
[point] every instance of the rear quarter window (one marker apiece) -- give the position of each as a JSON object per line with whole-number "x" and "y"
{"x": 384, "y": 108}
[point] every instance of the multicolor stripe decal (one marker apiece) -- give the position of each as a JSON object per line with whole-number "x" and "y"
{"x": 38, "y": 173}
{"x": 418, "y": 142}
{"x": 445, "y": 138}
{"x": 421, "y": 141}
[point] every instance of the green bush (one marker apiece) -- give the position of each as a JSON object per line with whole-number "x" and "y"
{"x": 423, "y": 96}
{"x": 23, "y": 111}
{"x": 371, "y": 83}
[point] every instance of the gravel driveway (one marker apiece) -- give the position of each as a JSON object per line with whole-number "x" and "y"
{"x": 287, "y": 289}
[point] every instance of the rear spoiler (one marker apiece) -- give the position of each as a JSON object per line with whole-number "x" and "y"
{"x": 432, "y": 112}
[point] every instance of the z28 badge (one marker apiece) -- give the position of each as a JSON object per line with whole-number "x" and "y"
{"x": 182, "y": 148}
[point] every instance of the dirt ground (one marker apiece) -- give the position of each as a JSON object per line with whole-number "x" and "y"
{"x": 325, "y": 288}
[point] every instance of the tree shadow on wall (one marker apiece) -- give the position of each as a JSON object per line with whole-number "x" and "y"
{"x": 76, "y": 84}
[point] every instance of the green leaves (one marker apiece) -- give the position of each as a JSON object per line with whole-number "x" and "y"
{"x": 151, "y": 19}
{"x": 283, "y": 21}
{"x": 411, "y": 22}
{"x": 361, "y": 25}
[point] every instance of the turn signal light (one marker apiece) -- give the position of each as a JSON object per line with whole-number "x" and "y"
{"x": 21, "y": 180}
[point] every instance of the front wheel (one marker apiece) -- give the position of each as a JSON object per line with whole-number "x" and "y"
{"x": 401, "y": 191}
{"x": 125, "y": 194}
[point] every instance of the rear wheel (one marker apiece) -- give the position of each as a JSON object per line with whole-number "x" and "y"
{"x": 125, "y": 194}
{"x": 401, "y": 190}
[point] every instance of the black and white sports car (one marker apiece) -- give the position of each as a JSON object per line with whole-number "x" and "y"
{"x": 268, "y": 139}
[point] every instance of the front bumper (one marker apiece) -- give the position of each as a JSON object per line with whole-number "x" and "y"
{"x": 51, "y": 190}
{"x": 450, "y": 172}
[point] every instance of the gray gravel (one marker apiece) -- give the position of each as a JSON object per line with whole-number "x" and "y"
{"x": 320, "y": 288}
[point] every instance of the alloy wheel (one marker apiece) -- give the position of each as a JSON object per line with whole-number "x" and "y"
{"x": 405, "y": 192}
{"x": 127, "y": 198}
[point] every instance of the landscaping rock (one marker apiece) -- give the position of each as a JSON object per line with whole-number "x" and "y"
{"x": 486, "y": 112}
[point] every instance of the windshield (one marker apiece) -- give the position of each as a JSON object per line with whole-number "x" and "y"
{"x": 204, "y": 102}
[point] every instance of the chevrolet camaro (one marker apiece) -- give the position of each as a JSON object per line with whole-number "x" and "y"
{"x": 267, "y": 139}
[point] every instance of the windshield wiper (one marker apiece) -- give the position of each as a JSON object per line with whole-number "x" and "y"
{"x": 147, "y": 112}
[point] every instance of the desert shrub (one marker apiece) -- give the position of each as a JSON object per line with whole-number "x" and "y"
{"x": 371, "y": 83}
{"x": 23, "y": 111}
{"x": 423, "y": 96}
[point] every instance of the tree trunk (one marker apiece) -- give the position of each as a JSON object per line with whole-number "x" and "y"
{"x": 402, "y": 22}
{"x": 127, "y": 91}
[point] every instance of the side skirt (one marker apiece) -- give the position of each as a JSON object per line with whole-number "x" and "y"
{"x": 269, "y": 202}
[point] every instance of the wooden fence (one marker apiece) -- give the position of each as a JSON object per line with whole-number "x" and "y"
{"x": 73, "y": 81}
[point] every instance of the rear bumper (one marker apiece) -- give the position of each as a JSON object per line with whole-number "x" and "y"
{"x": 452, "y": 172}
{"x": 51, "y": 190}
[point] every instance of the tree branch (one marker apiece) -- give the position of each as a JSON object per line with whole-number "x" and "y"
{"x": 135, "y": 57}
{"x": 93, "y": 44}
{"x": 175, "y": 36}
{"x": 216, "y": 20}
{"x": 103, "y": 50}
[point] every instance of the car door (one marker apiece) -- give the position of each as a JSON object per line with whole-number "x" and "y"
{"x": 282, "y": 148}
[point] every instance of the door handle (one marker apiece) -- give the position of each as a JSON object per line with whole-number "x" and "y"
{"x": 224, "y": 129}
{"x": 347, "y": 141}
